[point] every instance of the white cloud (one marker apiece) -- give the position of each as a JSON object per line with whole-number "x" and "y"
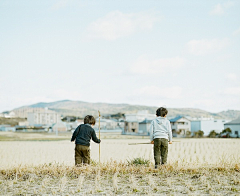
{"x": 117, "y": 24}
{"x": 232, "y": 91}
{"x": 231, "y": 76}
{"x": 174, "y": 92}
{"x": 146, "y": 66}
{"x": 220, "y": 9}
{"x": 205, "y": 46}
{"x": 237, "y": 32}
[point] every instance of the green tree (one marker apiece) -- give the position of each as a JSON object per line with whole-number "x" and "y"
{"x": 227, "y": 130}
{"x": 198, "y": 133}
{"x": 212, "y": 134}
{"x": 188, "y": 134}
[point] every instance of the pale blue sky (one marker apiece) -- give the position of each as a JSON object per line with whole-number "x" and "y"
{"x": 173, "y": 53}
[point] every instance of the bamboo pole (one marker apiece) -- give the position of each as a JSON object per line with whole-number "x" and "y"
{"x": 145, "y": 143}
{"x": 99, "y": 133}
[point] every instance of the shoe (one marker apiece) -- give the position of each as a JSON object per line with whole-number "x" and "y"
{"x": 156, "y": 166}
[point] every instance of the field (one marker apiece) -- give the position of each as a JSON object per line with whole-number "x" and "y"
{"x": 32, "y": 164}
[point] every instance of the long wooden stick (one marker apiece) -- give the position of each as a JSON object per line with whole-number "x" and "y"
{"x": 99, "y": 132}
{"x": 145, "y": 143}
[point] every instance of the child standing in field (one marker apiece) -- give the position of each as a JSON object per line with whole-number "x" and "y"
{"x": 160, "y": 133}
{"x": 82, "y": 136}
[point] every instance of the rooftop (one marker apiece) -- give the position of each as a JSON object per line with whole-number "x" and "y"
{"x": 234, "y": 122}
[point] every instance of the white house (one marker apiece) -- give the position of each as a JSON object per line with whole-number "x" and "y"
{"x": 207, "y": 125}
{"x": 181, "y": 125}
{"x": 234, "y": 126}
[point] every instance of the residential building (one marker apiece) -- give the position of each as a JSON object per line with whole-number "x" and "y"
{"x": 43, "y": 117}
{"x": 7, "y": 128}
{"x": 23, "y": 123}
{"x": 8, "y": 114}
{"x": 59, "y": 126}
{"x": 108, "y": 124}
{"x": 132, "y": 122}
{"x": 181, "y": 125}
{"x": 207, "y": 125}
{"x": 23, "y": 112}
{"x": 234, "y": 126}
{"x": 131, "y": 127}
{"x": 144, "y": 127}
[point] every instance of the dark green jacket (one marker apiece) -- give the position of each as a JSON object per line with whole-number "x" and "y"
{"x": 83, "y": 134}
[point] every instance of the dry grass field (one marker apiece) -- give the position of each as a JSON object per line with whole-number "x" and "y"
{"x": 195, "y": 167}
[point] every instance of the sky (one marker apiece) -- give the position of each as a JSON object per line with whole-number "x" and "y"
{"x": 178, "y": 54}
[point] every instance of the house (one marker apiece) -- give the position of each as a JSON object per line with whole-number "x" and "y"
{"x": 7, "y": 128}
{"x": 180, "y": 125}
{"x": 207, "y": 125}
{"x": 8, "y": 114}
{"x": 144, "y": 127}
{"x": 23, "y": 123}
{"x": 108, "y": 124}
{"x": 132, "y": 122}
{"x": 131, "y": 127}
{"x": 59, "y": 126}
{"x": 234, "y": 126}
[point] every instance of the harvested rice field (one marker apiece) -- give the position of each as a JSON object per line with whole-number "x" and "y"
{"x": 195, "y": 167}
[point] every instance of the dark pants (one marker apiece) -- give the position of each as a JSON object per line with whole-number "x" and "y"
{"x": 160, "y": 149}
{"x": 82, "y": 154}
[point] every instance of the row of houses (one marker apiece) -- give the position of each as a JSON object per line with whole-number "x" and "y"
{"x": 181, "y": 125}
{"x": 133, "y": 124}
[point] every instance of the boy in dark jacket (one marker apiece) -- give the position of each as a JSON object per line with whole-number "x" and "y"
{"x": 82, "y": 136}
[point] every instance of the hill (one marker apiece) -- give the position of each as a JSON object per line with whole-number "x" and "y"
{"x": 80, "y": 108}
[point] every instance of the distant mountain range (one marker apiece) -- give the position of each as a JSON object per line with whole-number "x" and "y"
{"x": 80, "y": 108}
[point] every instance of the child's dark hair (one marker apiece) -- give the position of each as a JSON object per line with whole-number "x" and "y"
{"x": 161, "y": 111}
{"x": 89, "y": 120}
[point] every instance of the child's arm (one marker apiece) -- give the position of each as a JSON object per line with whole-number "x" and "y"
{"x": 75, "y": 134}
{"x": 94, "y": 137}
{"x": 170, "y": 132}
{"x": 151, "y": 133}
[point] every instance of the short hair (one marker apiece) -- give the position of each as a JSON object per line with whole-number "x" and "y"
{"x": 89, "y": 119}
{"x": 161, "y": 111}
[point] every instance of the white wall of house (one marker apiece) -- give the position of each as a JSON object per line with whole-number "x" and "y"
{"x": 208, "y": 125}
{"x": 182, "y": 125}
{"x": 144, "y": 128}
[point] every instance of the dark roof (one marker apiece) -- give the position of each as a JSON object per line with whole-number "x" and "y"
{"x": 234, "y": 122}
{"x": 175, "y": 119}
